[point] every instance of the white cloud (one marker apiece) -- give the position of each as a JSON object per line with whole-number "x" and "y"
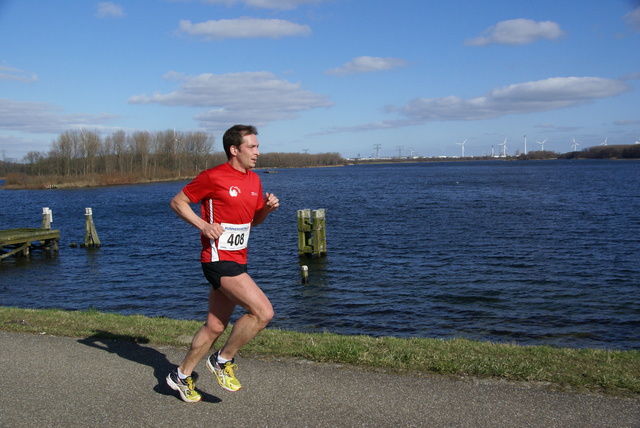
{"x": 253, "y": 97}
{"x": 44, "y": 118}
{"x": 243, "y": 28}
{"x": 529, "y": 97}
{"x": 367, "y": 64}
{"x": 633, "y": 18}
{"x": 267, "y": 4}
{"x": 517, "y": 32}
{"x": 11, "y": 73}
{"x": 108, "y": 9}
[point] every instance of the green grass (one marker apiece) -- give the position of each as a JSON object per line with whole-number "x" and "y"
{"x": 579, "y": 370}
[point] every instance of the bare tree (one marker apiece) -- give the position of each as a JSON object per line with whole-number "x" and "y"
{"x": 142, "y": 150}
{"x": 92, "y": 145}
{"x": 61, "y": 152}
{"x": 35, "y": 161}
{"x": 118, "y": 145}
{"x": 198, "y": 146}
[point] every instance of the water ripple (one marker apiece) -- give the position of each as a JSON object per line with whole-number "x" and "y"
{"x": 523, "y": 252}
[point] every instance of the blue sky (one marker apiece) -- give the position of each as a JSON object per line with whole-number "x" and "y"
{"x": 356, "y": 77}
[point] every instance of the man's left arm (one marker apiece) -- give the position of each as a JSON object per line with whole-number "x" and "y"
{"x": 271, "y": 203}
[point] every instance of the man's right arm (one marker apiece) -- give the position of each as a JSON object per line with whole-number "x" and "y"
{"x": 181, "y": 205}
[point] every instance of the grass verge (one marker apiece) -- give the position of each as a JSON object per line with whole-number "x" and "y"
{"x": 579, "y": 370}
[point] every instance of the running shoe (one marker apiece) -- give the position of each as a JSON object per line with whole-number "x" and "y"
{"x": 186, "y": 387}
{"x": 224, "y": 373}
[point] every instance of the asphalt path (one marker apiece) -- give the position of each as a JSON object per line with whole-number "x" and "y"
{"x": 52, "y": 381}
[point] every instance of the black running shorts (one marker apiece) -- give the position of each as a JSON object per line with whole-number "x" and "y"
{"x": 213, "y": 271}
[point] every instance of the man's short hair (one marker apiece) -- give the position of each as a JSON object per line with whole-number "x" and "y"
{"x": 234, "y": 135}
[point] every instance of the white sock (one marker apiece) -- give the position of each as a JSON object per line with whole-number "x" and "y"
{"x": 181, "y": 376}
{"x": 221, "y": 360}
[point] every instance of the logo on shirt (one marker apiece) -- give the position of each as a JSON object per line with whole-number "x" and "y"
{"x": 234, "y": 191}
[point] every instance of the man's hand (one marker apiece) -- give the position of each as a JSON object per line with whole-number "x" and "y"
{"x": 271, "y": 201}
{"x": 212, "y": 231}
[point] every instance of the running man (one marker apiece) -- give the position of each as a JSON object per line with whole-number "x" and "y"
{"x": 232, "y": 202}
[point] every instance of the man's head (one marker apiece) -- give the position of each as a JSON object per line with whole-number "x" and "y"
{"x": 234, "y": 137}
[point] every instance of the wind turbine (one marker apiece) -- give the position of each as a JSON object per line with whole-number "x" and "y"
{"x": 605, "y": 142}
{"x": 504, "y": 148}
{"x": 462, "y": 147}
{"x": 575, "y": 145}
{"x": 542, "y": 144}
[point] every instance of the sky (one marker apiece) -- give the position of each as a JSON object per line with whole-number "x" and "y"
{"x": 363, "y": 78}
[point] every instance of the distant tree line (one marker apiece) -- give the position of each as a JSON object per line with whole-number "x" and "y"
{"x": 141, "y": 155}
{"x": 295, "y": 160}
{"x": 538, "y": 155}
{"x": 627, "y": 151}
{"x": 144, "y": 154}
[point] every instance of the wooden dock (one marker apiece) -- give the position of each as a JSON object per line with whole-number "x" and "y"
{"x": 20, "y": 241}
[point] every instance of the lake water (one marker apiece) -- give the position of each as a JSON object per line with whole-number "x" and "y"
{"x": 533, "y": 253}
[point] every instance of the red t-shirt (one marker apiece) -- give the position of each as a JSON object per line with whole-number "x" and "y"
{"x": 231, "y": 198}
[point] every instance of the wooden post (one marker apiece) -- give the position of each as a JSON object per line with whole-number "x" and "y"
{"x": 312, "y": 235}
{"x": 304, "y": 232}
{"x": 47, "y": 218}
{"x": 90, "y": 234}
{"x": 319, "y": 234}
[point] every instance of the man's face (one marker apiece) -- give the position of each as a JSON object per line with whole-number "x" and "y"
{"x": 247, "y": 154}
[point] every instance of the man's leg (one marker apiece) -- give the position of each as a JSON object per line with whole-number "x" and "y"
{"x": 243, "y": 291}
{"x": 220, "y": 310}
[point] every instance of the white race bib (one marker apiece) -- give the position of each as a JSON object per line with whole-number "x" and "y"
{"x": 235, "y": 237}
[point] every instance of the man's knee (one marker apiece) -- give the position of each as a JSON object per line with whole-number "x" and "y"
{"x": 215, "y": 327}
{"x": 265, "y": 316}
